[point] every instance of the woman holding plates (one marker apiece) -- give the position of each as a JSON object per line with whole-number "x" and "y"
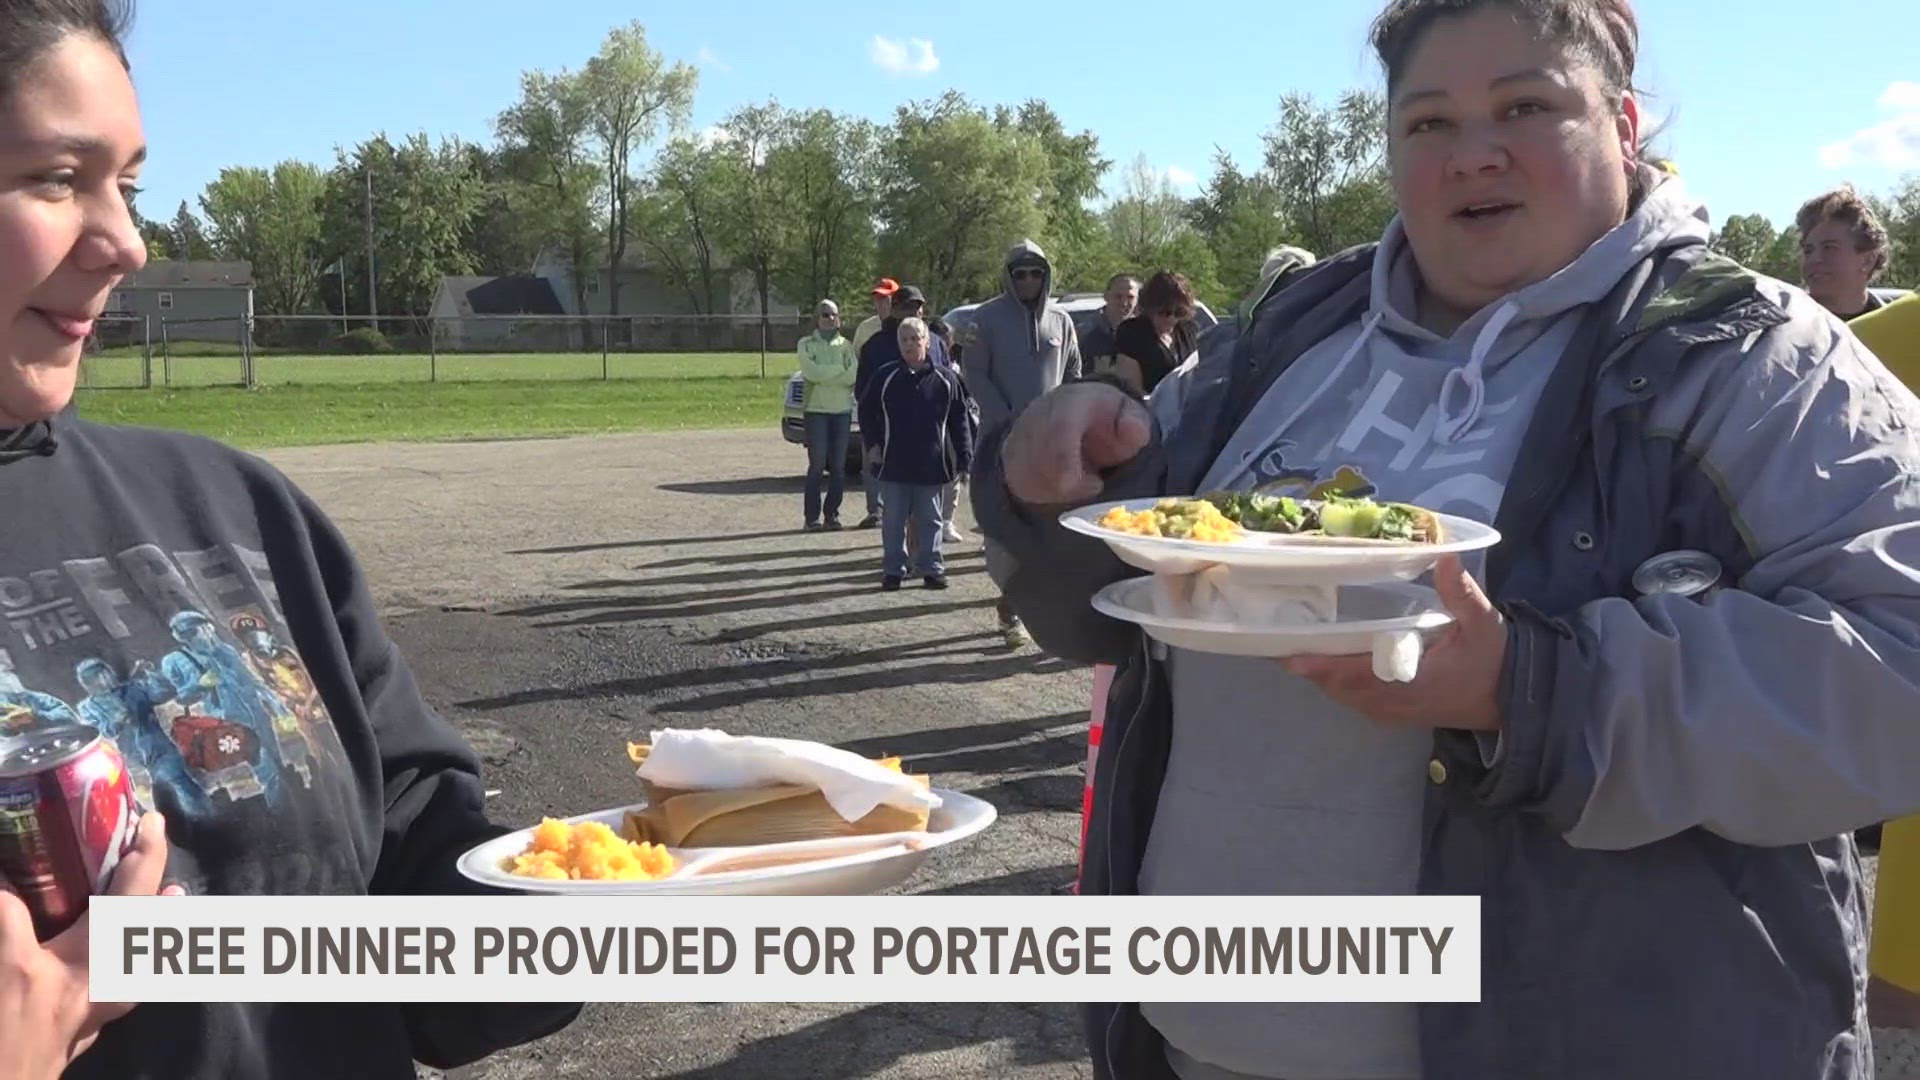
{"x": 1652, "y": 789}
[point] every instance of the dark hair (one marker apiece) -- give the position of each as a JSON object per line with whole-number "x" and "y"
{"x": 1844, "y": 205}
{"x": 938, "y": 327}
{"x": 1117, "y": 279}
{"x": 1604, "y": 31}
{"x": 1167, "y": 289}
{"x": 31, "y": 27}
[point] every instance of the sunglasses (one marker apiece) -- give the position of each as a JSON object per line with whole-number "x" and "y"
{"x": 1028, "y": 273}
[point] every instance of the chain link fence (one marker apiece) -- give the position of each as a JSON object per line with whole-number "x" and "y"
{"x": 278, "y": 350}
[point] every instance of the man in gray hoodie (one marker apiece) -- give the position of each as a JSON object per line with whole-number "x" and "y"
{"x": 1019, "y": 347}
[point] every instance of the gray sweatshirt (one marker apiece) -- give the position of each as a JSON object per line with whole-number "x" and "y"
{"x": 1271, "y": 787}
{"x": 1018, "y": 350}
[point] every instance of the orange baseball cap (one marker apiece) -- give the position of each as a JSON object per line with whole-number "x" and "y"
{"x": 887, "y": 287}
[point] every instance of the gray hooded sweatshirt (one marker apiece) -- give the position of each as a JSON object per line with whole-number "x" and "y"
{"x": 1018, "y": 350}
{"x": 1272, "y": 788}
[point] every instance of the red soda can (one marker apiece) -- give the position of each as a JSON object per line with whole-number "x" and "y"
{"x": 67, "y": 817}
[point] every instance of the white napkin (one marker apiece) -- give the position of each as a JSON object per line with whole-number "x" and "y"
{"x": 1213, "y": 593}
{"x": 1396, "y": 656}
{"x": 708, "y": 760}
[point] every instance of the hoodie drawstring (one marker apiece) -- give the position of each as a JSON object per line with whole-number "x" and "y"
{"x": 1456, "y": 422}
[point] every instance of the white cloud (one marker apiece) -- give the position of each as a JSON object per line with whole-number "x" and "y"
{"x": 1893, "y": 143}
{"x": 1181, "y": 179}
{"x": 710, "y": 136}
{"x": 897, "y": 57}
{"x": 707, "y": 58}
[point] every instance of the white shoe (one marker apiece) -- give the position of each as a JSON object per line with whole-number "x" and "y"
{"x": 1016, "y": 636}
{"x": 953, "y": 533}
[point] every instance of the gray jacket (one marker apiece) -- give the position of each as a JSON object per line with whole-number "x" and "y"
{"x": 1016, "y": 351}
{"x": 1662, "y": 840}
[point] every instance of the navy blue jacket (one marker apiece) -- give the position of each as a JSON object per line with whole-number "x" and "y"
{"x": 918, "y": 423}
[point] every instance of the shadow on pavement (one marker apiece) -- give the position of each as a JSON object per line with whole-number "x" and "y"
{"x": 949, "y": 672}
{"x": 873, "y": 1039}
{"x": 847, "y": 618}
{"x": 663, "y": 541}
{"x": 722, "y": 673}
{"x": 1000, "y": 746}
{"x": 758, "y": 485}
{"x": 854, "y": 559}
{"x": 623, "y": 609}
{"x": 1029, "y": 794}
{"x": 864, "y": 571}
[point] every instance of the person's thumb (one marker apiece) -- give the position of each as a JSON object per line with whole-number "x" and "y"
{"x": 1118, "y": 429}
{"x": 1462, "y": 595}
{"x": 139, "y": 874}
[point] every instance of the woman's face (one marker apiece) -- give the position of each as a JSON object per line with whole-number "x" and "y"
{"x": 1508, "y": 158}
{"x": 70, "y": 147}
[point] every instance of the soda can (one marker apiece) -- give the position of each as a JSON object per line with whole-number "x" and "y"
{"x": 67, "y": 816}
{"x": 1678, "y": 573}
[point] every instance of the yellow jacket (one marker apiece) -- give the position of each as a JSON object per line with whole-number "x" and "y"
{"x": 1893, "y": 333}
{"x": 829, "y": 367}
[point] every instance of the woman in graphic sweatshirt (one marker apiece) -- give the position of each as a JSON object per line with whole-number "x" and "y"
{"x": 188, "y": 598}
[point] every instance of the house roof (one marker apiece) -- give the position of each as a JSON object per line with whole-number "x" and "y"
{"x": 517, "y": 295}
{"x": 191, "y": 274}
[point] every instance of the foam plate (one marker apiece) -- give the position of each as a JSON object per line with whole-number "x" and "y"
{"x": 849, "y": 866}
{"x": 1365, "y": 613}
{"x": 1276, "y": 558}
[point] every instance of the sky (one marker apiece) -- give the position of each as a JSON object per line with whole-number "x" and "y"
{"x": 1765, "y": 102}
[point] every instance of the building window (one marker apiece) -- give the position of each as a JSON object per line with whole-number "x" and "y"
{"x": 166, "y": 301}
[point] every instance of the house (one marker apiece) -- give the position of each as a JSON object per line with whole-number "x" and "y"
{"x": 478, "y": 314}
{"x": 196, "y": 300}
{"x": 647, "y": 290}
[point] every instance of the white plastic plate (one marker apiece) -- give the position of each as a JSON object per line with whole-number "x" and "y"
{"x": 1276, "y": 558}
{"x": 849, "y": 866}
{"x": 1365, "y": 613}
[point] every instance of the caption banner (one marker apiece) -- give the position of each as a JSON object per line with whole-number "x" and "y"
{"x": 778, "y": 948}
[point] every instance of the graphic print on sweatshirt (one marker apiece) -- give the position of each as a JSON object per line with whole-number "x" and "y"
{"x": 182, "y": 659}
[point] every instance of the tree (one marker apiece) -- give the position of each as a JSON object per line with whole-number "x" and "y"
{"x": 1900, "y": 213}
{"x": 550, "y": 182}
{"x": 272, "y": 220}
{"x": 424, "y": 198}
{"x": 185, "y": 237}
{"x": 1751, "y": 241}
{"x": 1149, "y": 230}
{"x": 630, "y": 93}
{"x": 1072, "y": 233}
{"x": 676, "y": 221}
{"x": 156, "y": 235}
{"x": 756, "y": 218}
{"x": 827, "y": 170}
{"x": 956, "y": 193}
{"x": 1242, "y": 218}
{"x": 1328, "y": 167}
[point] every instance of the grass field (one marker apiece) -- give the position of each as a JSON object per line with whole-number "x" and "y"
{"x": 312, "y": 415}
{"x": 121, "y": 368}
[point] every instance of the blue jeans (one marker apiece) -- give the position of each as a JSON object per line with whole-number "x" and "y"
{"x": 826, "y": 453}
{"x": 915, "y": 506}
{"x": 870, "y": 482}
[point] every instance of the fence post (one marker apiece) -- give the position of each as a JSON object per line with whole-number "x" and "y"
{"x": 166, "y": 354}
{"x": 246, "y": 352}
{"x": 433, "y": 349}
{"x": 605, "y": 334}
{"x": 146, "y": 351}
{"x": 763, "y": 346}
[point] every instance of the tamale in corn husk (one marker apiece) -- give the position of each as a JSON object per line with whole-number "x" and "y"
{"x": 762, "y": 815}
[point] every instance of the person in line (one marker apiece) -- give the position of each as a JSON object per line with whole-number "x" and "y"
{"x": 882, "y": 294}
{"x": 828, "y": 368}
{"x": 1151, "y": 344}
{"x": 869, "y": 327}
{"x": 1892, "y": 332}
{"x": 1122, "y": 298}
{"x": 919, "y": 427}
{"x": 1843, "y": 249}
{"x": 146, "y": 530}
{"x": 1020, "y": 346}
{"x": 950, "y": 495}
{"x": 1650, "y": 781}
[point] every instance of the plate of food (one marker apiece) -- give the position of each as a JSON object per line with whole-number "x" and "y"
{"x": 1391, "y": 621}
{"x": 739, "y": 815}
{"x": 1279, "y": 538}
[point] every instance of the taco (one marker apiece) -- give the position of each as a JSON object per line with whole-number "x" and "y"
{"x": 1337, "y": 518}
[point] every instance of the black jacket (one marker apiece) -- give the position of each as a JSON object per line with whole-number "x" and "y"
{"x": 190, "y": 602}
{"x": 919, "y": 422}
